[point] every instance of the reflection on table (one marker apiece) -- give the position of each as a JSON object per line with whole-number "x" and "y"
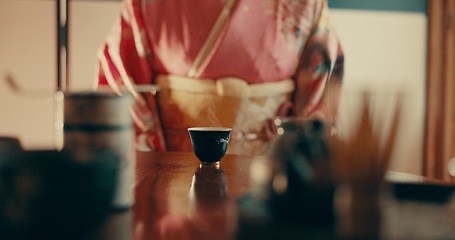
{"x": 176, "y": 198}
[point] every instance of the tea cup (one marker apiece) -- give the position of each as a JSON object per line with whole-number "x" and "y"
{"x": 209, "y": 143}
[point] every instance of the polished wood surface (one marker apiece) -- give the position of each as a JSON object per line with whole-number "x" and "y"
{"x": 177, "y": 198}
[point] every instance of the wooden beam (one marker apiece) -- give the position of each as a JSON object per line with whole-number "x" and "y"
{"x": 440, "y": 99}
{"x": 433, "y": 142}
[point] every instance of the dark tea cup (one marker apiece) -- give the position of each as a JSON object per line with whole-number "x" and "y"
{"x": 209, "y": 143}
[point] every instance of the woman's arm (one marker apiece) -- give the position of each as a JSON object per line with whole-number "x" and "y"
{"x": 125, "y": 60}
{"x": 320, "y": 72}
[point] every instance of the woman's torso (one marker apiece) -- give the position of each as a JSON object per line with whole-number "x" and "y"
{"x": 262, "y": 41}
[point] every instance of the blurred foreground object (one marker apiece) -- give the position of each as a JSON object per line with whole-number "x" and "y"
{"x": 101, "y": 121}
{"x": 46, "y": 194}
{"x": 360, "y": 162}
{"x": 293, "y": 190}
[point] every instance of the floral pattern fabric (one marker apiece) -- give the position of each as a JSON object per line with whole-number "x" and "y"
{"x": 262, "y": 41}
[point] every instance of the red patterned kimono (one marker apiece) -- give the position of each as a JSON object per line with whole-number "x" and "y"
{"x": 230, "y": 63}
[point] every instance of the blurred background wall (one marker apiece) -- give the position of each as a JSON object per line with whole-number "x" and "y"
{"x": 384, "y": 42}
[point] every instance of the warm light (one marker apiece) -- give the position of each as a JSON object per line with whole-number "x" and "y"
{"x": 58, "y": 96}
{"x": 280, "y": 183}
{"x": 277, "y": 122}
{"x": 451, "y": 167}
{"x": 58, "y": 125}
{"x": 280, "y": 131}
{"x": 260, "y": 171}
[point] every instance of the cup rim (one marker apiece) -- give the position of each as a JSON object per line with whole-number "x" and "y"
{"x": 209, "y": 129}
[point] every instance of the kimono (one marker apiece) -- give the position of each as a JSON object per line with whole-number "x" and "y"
{"x": 225, "y": 63}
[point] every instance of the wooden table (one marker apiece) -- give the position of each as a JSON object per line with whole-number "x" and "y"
{"x": 176, "y": 198}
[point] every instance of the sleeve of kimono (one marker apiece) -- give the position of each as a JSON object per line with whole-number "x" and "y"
{"x": 124, "y": 60}
{"x": 320, "y": 72}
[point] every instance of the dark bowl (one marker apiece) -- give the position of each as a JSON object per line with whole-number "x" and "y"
{"x": 209, "y": 143}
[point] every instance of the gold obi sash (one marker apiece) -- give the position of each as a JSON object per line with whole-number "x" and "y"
{"x": 227, "y": 102}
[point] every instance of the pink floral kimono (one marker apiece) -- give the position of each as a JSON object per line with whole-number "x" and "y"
{"x": 225, "y": 63}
